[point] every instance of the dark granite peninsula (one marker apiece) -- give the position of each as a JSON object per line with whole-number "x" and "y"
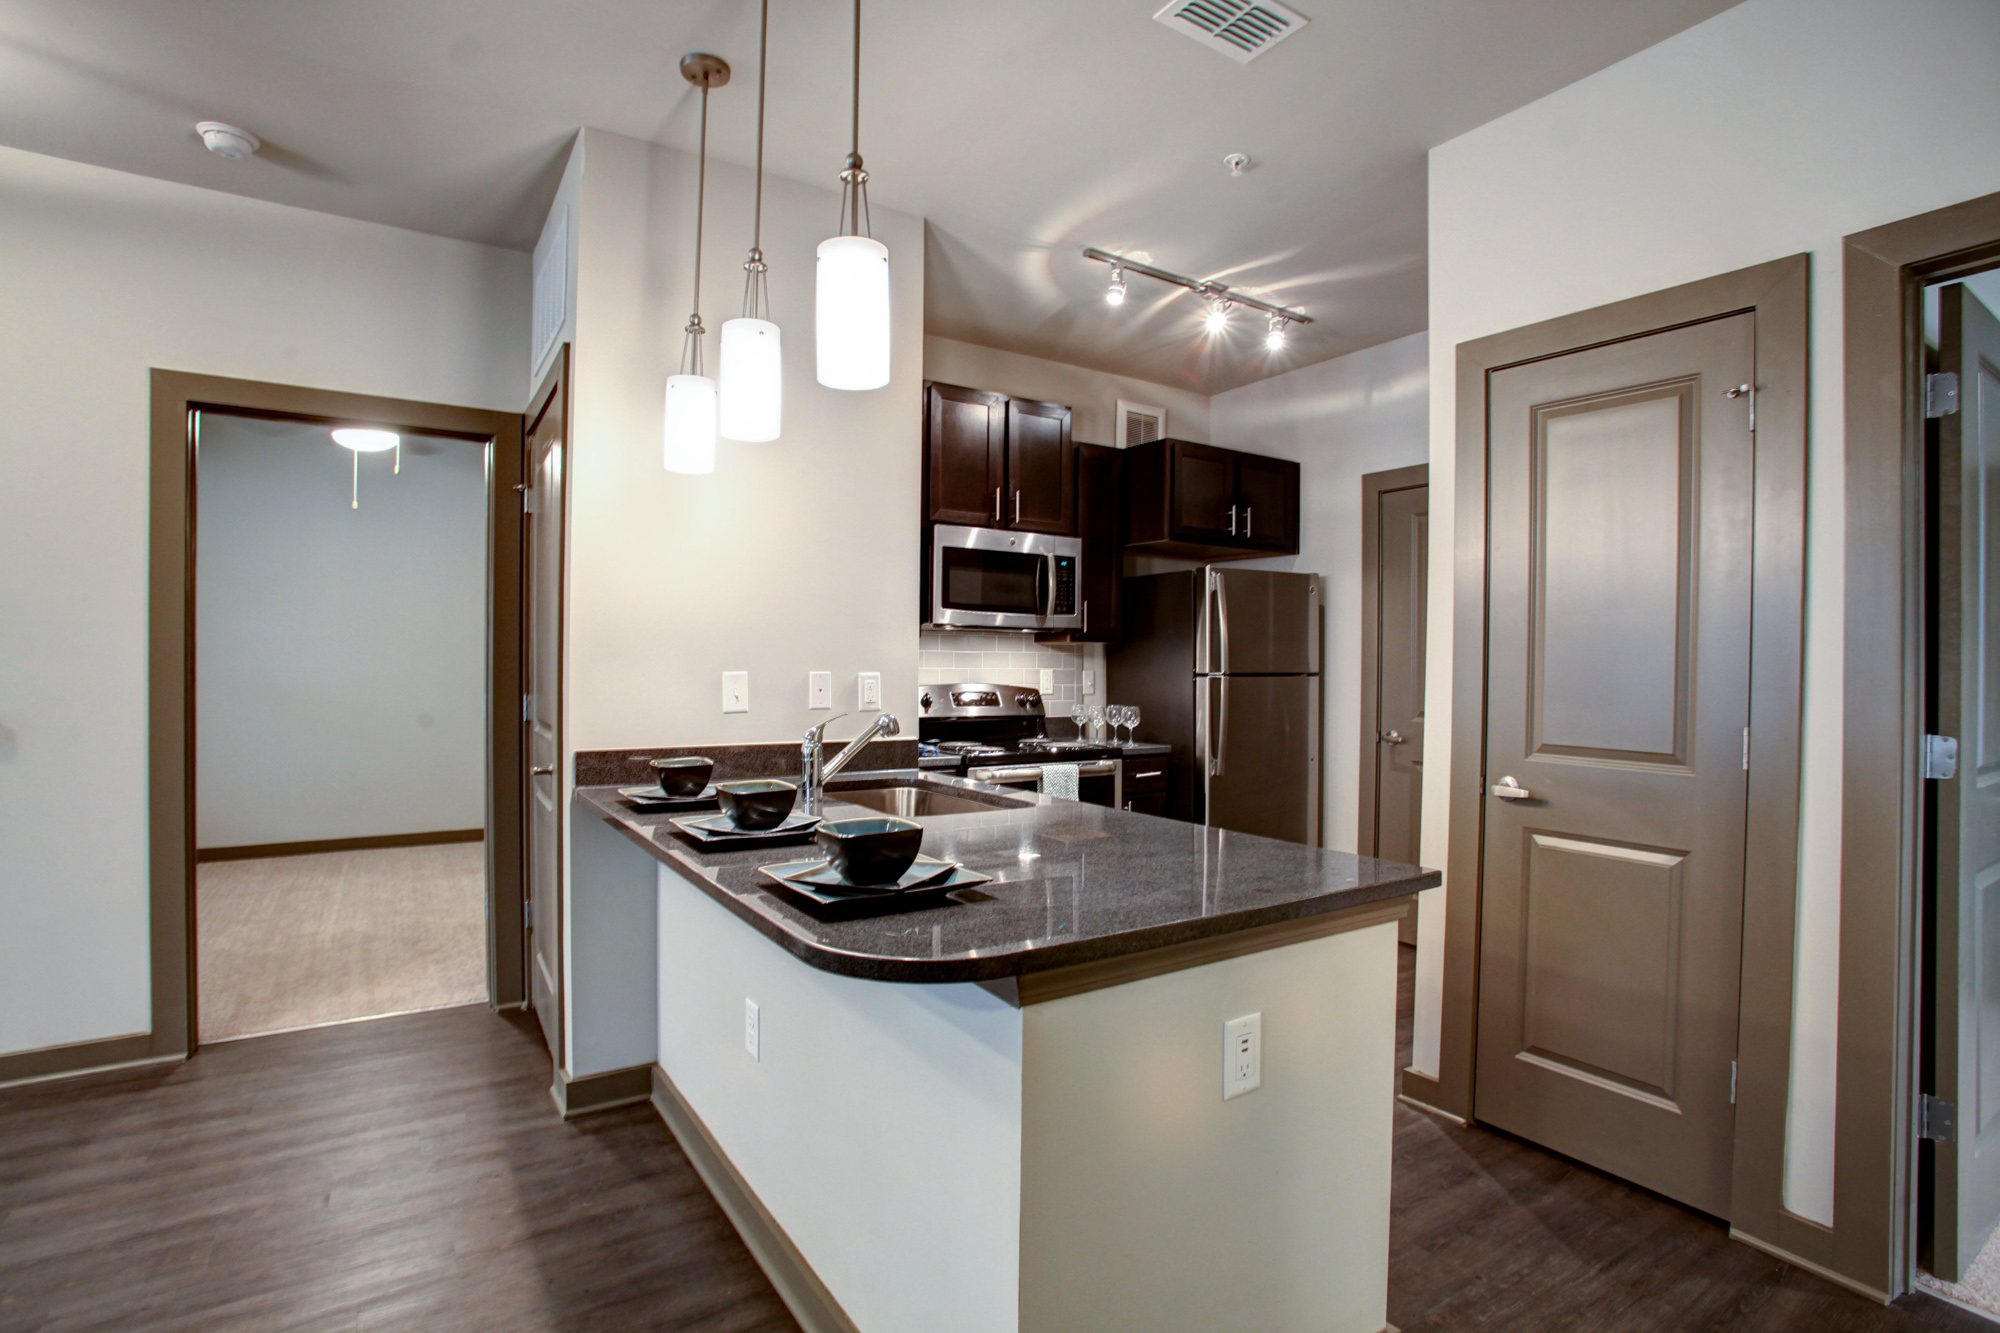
{"x": 1030, "y": 1106}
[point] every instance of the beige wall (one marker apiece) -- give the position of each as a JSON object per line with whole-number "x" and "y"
{"x": 105, "y": 276}
{"x": 1773, "y": 128}
{"x": 1091, "y": 395}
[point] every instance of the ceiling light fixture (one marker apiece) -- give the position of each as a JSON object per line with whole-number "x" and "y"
{"x": 367, "y": 440}
{"x": 1220, "y": 298}
{"x": 851, "y": 297}
{"x": 689, "y": 436}
{"x": 751, "y": 380}
{"x": 226, "y": 140}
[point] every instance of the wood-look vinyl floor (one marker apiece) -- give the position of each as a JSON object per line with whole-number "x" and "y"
{"x": 291, "y": 941}
{"x": 404, "y": 1174}
{"x": 1492, "y": 1233}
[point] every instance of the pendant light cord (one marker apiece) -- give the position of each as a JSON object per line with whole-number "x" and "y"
{"x": 756, "y": 294}
{"x": 855, "y": 219}
{"x": 691, "y": 341}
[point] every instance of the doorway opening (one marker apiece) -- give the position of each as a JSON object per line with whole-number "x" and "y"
{"x": 300, "y": 803}
{"x": 340, "y": 673}
{"x": 1395, "y": 580}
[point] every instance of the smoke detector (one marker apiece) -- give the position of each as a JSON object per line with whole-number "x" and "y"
{"x": 227, "y": 140}
{"x": 1240, "y": 29}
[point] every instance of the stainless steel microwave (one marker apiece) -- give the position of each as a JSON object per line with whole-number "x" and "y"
{"x": 988, "y": 578}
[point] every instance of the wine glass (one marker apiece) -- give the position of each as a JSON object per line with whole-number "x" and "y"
{"x": 1120, "y": 716}
{"x": 1097, "y": 722}
{"x": 1079, "y": 713}
{"x": 1131, "y": 724}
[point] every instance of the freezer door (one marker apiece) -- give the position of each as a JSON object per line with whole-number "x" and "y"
{"x": 1259, "y": 739}
{"x": 1259, "y": 621}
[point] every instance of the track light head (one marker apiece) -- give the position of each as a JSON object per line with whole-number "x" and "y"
{"x": 1115, "y": 293}
{"x": 1275, "y": 339}
{"x": 1218, "y": 315}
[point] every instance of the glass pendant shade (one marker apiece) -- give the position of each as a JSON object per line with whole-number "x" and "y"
{"x": 365, "y": 441}
{"x": 690, "y": 432}
{"x": 751, "y": 381}
{"x": 852, "y": 316}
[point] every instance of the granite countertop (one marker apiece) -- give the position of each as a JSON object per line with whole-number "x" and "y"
{"x": 1072, "y": 883}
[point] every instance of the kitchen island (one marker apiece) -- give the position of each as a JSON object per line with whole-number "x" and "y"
{"x": 1006, "y": 1112}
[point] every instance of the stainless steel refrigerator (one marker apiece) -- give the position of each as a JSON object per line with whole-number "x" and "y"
{"x": 1224, "y": 665}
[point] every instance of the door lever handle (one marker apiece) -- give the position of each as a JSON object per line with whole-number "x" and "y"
{"x": 543, "y": 771}
{"x": 1509, "y": 790}
{"x": 1392, "y": 738}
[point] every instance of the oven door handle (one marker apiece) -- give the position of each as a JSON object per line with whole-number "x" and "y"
{"x": 1095, "y": 768}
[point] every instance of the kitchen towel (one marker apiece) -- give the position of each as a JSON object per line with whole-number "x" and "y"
{"x": 1060, "y": 781}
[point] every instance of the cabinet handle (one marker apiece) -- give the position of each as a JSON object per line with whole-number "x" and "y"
{"x": 1086, "y": 615}
{"x": 1232, "y": 520}
{"x": 1248, "y": 531}
{"x": 996, "y": 504}
{"x": 1155, "y": 773}
{"x": 1017, "y": 508}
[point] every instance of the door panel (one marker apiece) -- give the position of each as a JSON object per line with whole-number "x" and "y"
{"x": 964, "y": 455}
{"x": 1041, "y": 468}
{"x": 1395, "y": 734}
{"x": 1268, "y": 490}
{"x": 1204, "y": 493}
{"x": 547, "y": 438}
{"x": 1262, "y": 735}
{"x": 1618, "y": 691}
{"x": 1261, "y": 622}
{"x": 1965, "y": 1036}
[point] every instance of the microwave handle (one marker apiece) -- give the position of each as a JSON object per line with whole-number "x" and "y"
{"x": 1042, "y": 585}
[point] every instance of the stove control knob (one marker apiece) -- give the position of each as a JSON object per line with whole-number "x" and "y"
{"x": 925, "y": 701}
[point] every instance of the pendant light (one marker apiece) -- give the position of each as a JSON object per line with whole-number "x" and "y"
{"x": 360, "y": 440}
{"x": 852, "y": 295}
{"x": 691, "y": 398}
{"x": 751, "y": 380}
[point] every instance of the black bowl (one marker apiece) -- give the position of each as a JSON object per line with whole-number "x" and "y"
{"x": 875, "y": 850}
{"x": 685, "y": 775}
{"x": 756, "y": 803}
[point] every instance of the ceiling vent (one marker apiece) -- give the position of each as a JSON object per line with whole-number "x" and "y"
{"x": 1240, "y": 29}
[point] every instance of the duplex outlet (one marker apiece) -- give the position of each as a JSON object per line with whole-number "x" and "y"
{"x": 868, "y": 688}
{"x": 1242, "y": 1055}
{"x": 753, "y": 1024}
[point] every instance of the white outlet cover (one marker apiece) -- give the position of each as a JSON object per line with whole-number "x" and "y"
{"x": 868, "y": 690}
{"x": 1048, "y": 680}
{"x": 1242, "y": 1055}
{"x": 819, "y": 689}
{"x": 1090, "y": 682}
{"x": 735, "y": 691}
{"x": 753, "y": 1023}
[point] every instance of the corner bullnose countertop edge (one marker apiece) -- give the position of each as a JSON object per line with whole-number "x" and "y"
{"x": 1114, "y": 884}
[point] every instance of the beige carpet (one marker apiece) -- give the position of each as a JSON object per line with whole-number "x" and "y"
{"x": 296, "y": 941}
{"x": 1981, "y": 1286}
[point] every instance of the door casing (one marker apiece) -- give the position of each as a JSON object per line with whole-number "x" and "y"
{"x": 1777, "y": 292}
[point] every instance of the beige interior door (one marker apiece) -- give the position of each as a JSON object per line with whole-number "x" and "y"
{"x": 1965, "y": 1038}
{"x": 544, "y": 511}
{"x": 1618, "y": 696}
{"x": 1394, "y": 736}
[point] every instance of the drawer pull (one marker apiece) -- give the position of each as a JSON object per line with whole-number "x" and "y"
{"x": 1155, "y": 773}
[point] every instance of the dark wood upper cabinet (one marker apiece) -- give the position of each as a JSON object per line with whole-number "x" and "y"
{"x": 965, "y": 455}
{"x": 1041, "y": 468}
{"x": 1099, "y": 471}
{"x": 1200, "y": 502}
{"x": 991, "y": 461}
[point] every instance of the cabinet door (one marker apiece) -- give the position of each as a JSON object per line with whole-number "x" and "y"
{"x": 1097, "y": 479}
{"x": 965, "y": 432}
{"x": 1204, "y": 489}
{"x": 1041, "y": 468}
{"x": 1267, "y": 493}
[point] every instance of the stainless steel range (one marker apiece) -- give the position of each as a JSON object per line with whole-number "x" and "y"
{"x": 998, "y": 734}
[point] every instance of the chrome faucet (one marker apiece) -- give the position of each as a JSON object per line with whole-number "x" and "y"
{"x": 813, "y": 755}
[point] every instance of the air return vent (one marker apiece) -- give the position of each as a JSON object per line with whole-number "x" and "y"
{"x": 1240, "y": 29}
{"x": 1139, "y": 423}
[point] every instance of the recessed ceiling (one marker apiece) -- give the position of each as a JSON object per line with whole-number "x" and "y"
{"x": 1022, "y": 131}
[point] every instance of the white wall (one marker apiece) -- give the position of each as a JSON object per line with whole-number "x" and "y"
{"x": 340, "y": 653}
{"x": 1340, "y": 419}
{"x": 1776, "y": 127}
{"x": 105, "y": 276}
{"x": 1091, "y": 395}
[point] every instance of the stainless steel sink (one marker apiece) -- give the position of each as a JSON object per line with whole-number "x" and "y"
{"x": 916, "y": 802}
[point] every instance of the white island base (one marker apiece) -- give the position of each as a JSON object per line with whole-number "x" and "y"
{"x": 935, "y": 1159}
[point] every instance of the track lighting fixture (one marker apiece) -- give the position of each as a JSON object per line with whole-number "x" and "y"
{"x": 1220, "y": 299}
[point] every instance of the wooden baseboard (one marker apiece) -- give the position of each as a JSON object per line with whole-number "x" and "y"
{"x": 797, "y": 1285}
{"x": 1817, "y": 1270}
{"x": 262, "y": 850}
{"x": 600, "y": 1092}
{"x": 82, "y": 1057}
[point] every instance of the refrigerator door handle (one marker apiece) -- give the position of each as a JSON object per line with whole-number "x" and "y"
{"x": 1221, "y": 729}
{"x": 1220, "y": 588}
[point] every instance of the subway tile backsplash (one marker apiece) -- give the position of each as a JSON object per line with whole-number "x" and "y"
{"x": 1008, "y": 658}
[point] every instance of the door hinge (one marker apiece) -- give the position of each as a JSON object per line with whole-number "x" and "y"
{"x": 1732, "y": 1083}
{"x": 1940, "y": 756}
{"x": 1941, "y": 394}
{"x": 1746, "y": 749}
{"x": 527, "y": 708}
{"x": 527, "y": 913}
{"x": 1937, "y": 1119}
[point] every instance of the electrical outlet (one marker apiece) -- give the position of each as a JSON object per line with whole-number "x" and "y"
{"x": 1090, "y": 682}
{"x": 735, "y": 691}
{"x": 819, "y": 689}
{"x": 870, "y": 691}
{"x": 1048, "y": 685}
{"x": 752, "y": 1030}
{"x": 1242, "y": 1055}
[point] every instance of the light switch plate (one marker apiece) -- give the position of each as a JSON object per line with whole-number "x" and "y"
{"x": 1242, "y": 1055}
{"x": 819, "y": 689}
{"x": 869, "y": 689}
{"x": 735, "y": 691}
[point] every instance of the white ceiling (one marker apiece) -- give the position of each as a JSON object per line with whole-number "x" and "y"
{"x": 1022, "y": 130}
